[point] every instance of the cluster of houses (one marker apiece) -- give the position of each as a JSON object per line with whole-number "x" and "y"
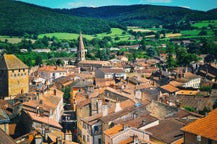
{"x": 115, "y": 102}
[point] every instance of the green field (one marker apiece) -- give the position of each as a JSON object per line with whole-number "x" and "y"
{"x": 115, "y": 32}
{"x": 204, "y": 23}
{"x": 10, "y": 39}
{"x": 66, "y": 36}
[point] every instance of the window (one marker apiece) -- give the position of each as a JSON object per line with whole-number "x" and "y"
{"x": 88, "y": 138}
{"x": 84, "y": 126}
{"x": 99, "y": 141}
{"x": 84, "y": 138}
{"x": 209, "y": 141}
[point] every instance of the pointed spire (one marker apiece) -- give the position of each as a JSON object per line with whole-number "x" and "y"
{"x": 81, "y": 44}
{"x": 80, "y": 50}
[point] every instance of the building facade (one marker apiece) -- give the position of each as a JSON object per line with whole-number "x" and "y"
{"x": 14, "y": 76}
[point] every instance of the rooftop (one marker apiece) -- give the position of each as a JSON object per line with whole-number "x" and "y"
{"x": 167, "y": 131}
{"x": 10, "y": 61}
{"x": 205, "y": 127}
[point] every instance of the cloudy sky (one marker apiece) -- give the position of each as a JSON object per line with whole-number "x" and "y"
{"x": 192, "y": 4}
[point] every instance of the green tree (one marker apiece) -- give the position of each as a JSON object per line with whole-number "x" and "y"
{"x": 60, "y": 62}
{"x": 38, "y": 60}
{"x": 170, "y": 61}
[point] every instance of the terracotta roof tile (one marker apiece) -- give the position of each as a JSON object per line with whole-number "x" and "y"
{"x": 205, "y": 127}
{"x": 169, "y": 88}
{"x": 46, "y": 120}
{"x": 112, "y": 131}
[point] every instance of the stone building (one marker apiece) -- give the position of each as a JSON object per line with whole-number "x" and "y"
{"x": 14, "y": 77}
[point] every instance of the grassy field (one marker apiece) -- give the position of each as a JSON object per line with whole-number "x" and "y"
{"x": 66, "y": 36}
{"x": 115, "y": 32}
{"x": 190, "y": 32}
{"x": 204, "y": 23}
{"x": 10, "y": 40}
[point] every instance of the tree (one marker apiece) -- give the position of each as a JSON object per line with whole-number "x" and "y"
{"x": 170, "y": 61}
{"x": 38, "y": 60}
{"x": 183, "y": 58}
{"x": 60, "y": 62}
{"x": 151, "y": 52}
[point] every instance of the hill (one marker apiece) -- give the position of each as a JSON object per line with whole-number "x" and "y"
{"x": 142, "y": 15}
{"x": 18, "y": 18}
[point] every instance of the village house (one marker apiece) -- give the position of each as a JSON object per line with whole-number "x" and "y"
{"x": 203, "y": 130}
{"x": 14, "y": 76}
{"x": 110, "y": 73}
{"x": 93, "y": 64}
{"x": 49, "y": 103}
{"x": 168, "y": 131}
{"x": 92, "y": 126}
{"x": 50, "y": 73}
{"x": 208, "y": 71}
{"x": 134, "y": 111}
{"x": 123, "y": 134}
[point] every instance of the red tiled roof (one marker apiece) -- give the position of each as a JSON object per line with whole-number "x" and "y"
{"x": 169, "y": 88}
{"x": 205, "y": 127}
{"x": 46, "y": 120}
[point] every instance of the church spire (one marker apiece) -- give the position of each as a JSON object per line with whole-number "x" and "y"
{"x": 80, "y": 49}
{"x": 81, "y": 44}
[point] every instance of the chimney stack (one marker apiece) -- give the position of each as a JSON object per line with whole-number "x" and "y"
{"x": 55, "y": 92}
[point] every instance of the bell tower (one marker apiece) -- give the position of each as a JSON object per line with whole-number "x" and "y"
{"x": 80, "y": 50}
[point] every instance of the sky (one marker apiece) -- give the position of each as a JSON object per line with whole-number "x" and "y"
{"x": 203, "y": 5}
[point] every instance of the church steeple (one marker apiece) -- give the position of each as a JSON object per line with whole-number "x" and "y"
{"x": 80, "y": 50}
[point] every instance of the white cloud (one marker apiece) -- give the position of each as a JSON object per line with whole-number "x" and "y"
{"x": 74, "y": 4}
{"x": 157, "y": 1}
{"x": 79, "y": 4}
{"x": 188, "y": 7}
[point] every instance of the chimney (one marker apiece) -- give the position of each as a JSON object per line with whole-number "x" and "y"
{"x": 55, "y": 92}
{"x": 104, "y": 109}
{"x": 118, "y": 107}
{"x": 99, "y": 106}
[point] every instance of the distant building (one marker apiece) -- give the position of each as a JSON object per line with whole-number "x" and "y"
{"x": 50, "y": 73}
{"x": 14, "y": 77}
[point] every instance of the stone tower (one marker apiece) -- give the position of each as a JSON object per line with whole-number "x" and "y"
{"x": 14, "y": 76}
{"x": 80, "y": 50}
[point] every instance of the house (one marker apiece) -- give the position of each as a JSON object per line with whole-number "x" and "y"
{"x": 40, "y": 122}
{"x": 92, "y": 126}
{"x": 202, "y": 131}
{"x": 6, "y": 139}
{"x": 121, "y": 134}
{"x": 4, "y": 121}
{"x": 50, "y": 104}
{"x": 14, "y": 76}
{"x": 169, "y": 89}
{"x": 86, "y": 106}
{"x": 41, "y": 50}
{"x": 160, "y": 110}
{"x": 108, "y": 73}
{"x": 167, "y": 132}
{"x": 137, "y": 110}
{"x": 50, "y": 73}
{"x": 93, "y": 64}
{"x": 189, "y": 80}
{"x": 208, "y": 71}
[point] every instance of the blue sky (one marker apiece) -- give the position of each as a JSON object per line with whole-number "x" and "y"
{"x": 192, "y": 4}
